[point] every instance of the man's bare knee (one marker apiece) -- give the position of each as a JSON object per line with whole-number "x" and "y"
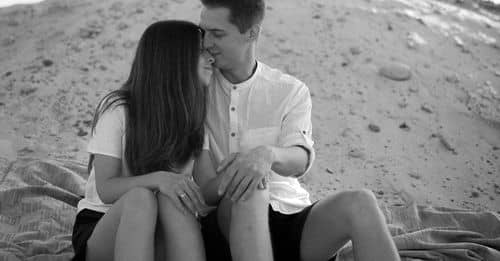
{"x": 258, "y": 201}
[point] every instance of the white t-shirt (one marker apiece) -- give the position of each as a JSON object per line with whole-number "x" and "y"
{"x": 270, "y": 108}
{"x": 109, "y": 139}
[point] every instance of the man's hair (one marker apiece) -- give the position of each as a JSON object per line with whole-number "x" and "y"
{"x": 242, "y": 13}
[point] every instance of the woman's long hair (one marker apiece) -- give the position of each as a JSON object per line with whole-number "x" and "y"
{"x": 164, "y": 99}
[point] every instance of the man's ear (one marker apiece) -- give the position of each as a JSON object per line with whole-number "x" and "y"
{"x": 253, "y": 33}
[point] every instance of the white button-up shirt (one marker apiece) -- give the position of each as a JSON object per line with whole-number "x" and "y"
{"x": 270, "y": 108}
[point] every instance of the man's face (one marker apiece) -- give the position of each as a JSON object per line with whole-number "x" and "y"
{"x": 223, "y": 40}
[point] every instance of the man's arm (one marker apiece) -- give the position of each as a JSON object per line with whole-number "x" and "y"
{"x": 289, "y": 161}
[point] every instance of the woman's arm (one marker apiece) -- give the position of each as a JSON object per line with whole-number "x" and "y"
{"x": 205, "y": 176}
{"x": 111, "y": 184}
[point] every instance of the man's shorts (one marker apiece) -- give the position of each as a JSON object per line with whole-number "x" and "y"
{"x": 286, "y": 233}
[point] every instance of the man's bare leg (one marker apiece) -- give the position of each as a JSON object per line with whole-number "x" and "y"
{"x": 349, "y": 215}
{"x": 246, "y": 226}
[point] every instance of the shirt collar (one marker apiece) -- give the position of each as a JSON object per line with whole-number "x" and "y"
{"x": 230, "y": 86}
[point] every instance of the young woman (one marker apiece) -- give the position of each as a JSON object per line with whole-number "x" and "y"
{"x": 140, "y": 199}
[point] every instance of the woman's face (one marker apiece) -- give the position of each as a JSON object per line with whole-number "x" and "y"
{"x": 205, "y": 67}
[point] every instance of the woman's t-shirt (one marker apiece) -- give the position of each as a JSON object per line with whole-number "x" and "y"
{"x": 109, "y": 139}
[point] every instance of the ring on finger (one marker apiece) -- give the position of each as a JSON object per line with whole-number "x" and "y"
{"x": 182, "y": 195}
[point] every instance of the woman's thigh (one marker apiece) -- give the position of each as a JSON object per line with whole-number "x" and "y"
{"x": 101, "y": 244}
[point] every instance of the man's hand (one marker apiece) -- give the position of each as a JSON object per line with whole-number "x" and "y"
{"x": 243, "y": 173}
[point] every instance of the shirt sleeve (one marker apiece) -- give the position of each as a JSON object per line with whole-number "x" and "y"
{"x": 108, "y": 133}
{"x": 296, "y": 129}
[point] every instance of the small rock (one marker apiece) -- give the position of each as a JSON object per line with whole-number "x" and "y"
{"x": 47, "y": 62}
{"x": 317, "y": 16}
{"x": 474, "y": 194}
{"x": 452, "y": 78}
{"x": 373, "y": 127}
{"x": 329, "y": 170}
{"x": 396, "y": 71}
{"x": 357, "y": 153}
{"x": 460, "y": 43}
{"x": 413, "y": 89}
{"x": 122, "y": 26}
{"x": 129, "y": 44}
{"x": 7, "y": 74}
{"x": 355, "y": 50}
{"x": 497, "y": 73}
{"x": 82, "y": 133}
{"x": 404, "y": 126}
{"x": 10, "y": 40}
{"x": 414, "y": 40}
{"x": 445, "y": 143}
{"x": 427, "y": 108}
{"x": 389, "y": 27}
{"x": 27, "y": 91}
{"x": 25, "y": 150}
{"x": 414, "y": 175}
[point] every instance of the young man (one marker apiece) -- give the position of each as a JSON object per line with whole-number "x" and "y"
{"x": 259, "y": 122}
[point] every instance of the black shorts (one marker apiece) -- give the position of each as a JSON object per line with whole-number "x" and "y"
{"x": 286, "y": 233}
{"x": 85, "y": 222}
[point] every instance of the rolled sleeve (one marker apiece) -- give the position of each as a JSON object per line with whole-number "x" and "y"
{"x": 296, "y": 129}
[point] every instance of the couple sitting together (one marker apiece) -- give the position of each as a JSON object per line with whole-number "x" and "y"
{"x": 197, "y": 155}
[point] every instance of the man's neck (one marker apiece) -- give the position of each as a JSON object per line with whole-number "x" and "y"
{"x": 241, "y": 73}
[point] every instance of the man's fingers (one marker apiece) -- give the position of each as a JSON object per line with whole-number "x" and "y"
{"x": 226, "y": 162}
{"x": 241, "y": 188}
{"x": 227, "y": 177}
{"x": 251, "y": 189}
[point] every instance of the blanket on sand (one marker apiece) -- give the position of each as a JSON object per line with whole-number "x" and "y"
{"x": 38, "y": 205}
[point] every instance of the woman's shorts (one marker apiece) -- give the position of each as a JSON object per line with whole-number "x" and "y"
{"x": 82, "y": 230}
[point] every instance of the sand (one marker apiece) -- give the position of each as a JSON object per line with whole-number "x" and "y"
{"x": 406, "y": 94}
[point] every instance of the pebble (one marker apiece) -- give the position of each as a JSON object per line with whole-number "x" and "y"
{"x": 47, "y": 62}
{"x": 357, "y": 153}
{"x": 404, "y": 126}
{"x": 452, "y": 78}
{"x": 373, "y": 127}
{"x": 329, "y": 170}
{"x": 355, "y": 50}
{"x": 427, "y": 108}
{"x": 446, "y": 143}
{"x": 414, "y": 40}
{"x": 414, "y": 175}
{"x": 396, "y": 71}
{"x": 10, "y": 40}
{"x": 82, "y": 133}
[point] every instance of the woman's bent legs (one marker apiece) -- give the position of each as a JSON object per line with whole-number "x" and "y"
{"x": 126, "y": 231}
{"x": 182, "y": 239}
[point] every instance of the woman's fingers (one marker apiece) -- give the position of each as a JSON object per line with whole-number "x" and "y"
{"x": 186, "y": 201}
{"x": 195, "y": 195}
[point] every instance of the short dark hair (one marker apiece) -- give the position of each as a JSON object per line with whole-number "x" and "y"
{"x": 242, "y": 13}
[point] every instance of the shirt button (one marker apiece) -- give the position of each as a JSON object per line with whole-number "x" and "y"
{"x": 233, "y": 134}
{"x": 233, "y": 108}
{"x": 234, "y": 87}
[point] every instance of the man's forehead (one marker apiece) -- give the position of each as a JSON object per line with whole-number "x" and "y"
{"x": 216, "y": 18}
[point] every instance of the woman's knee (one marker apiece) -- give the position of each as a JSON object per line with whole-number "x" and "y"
{"x": 140, "y": 201}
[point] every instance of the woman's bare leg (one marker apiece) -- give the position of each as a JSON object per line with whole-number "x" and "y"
{"x": 126, "y": 231}
{"x": 181, "y": 233}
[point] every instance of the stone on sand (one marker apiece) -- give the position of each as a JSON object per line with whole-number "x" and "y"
{"x": 373, "y": 127}
{"x": 414, "y": 40}
{"x": 396, "y": 71}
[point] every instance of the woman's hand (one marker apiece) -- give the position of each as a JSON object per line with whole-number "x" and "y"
{"x": 183, "y": 192}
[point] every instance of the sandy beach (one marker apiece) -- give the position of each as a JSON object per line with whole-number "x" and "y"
{"x": 406, "y": 94}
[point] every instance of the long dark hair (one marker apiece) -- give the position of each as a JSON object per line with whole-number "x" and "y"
{"x": 164, "y": 99}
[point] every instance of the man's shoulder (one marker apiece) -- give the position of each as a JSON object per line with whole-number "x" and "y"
{"x": 276, "y": 77}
